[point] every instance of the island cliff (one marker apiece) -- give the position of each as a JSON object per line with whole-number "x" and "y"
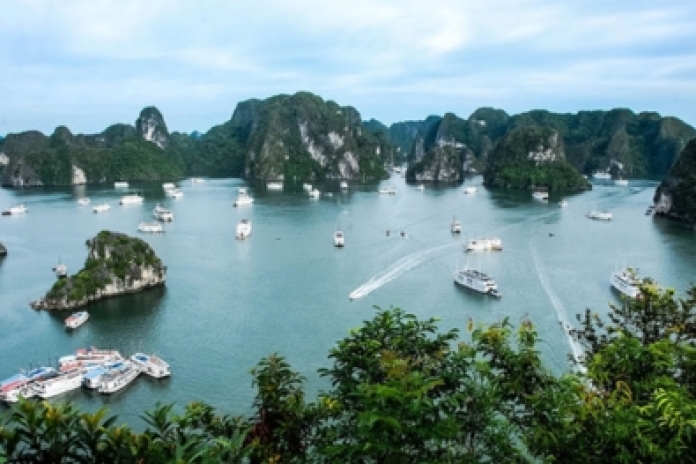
{"x": 116, "y": 264}
{"x": 3, "y": 251}
{"x": 676, "y": 195}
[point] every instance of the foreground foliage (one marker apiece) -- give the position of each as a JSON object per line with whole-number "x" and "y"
{"x": 403, "y": 391}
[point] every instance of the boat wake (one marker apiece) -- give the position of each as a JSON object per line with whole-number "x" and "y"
{"x": 557, "y": 305}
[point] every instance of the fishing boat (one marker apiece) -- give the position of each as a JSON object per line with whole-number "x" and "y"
{"x": 120, "y": 184}
{"x": 61, "y": 383}
{"x": 15, "y": 210}
{"x": 391, "y": 190}
{"x": 83, "y": 201}
{"x": 131, "y": 199}
{"x": 243, "y": 198}
{"x": 243, "y": 229}
{"x": 162, "y": 214}
{"x": 75, "y": 320}
{"x": 101, "y": 208}
{"x": 339, "y": 239}
{"x": 469, "y": 190}
{"x": 118, "y": 378}
{"x": 599, "y": 215}
{"x": 151, "y": 227}
{"x": 455, "y": 226}
{"x": 276, "y": 186}
{"x": 626, "y": 282}
{"x": 484, "y": 244}
{"x": 151, "y": 365}
{"x": 314, "y": 193}
{"x": 476, "y": 280}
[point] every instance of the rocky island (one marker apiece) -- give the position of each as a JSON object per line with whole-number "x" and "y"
{"x": 676, "y": 195}
{"x": 116, "y": 264}
{"x": 3, "y": 250}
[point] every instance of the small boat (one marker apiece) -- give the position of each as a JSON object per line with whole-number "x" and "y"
{"x": 344, "y": 185}
{"x": 55, "y": 385}
{"x": 484, "y": 244}
{"x": 243, "y": 198}
{"x": 621, "y": 182}
{"x": 118, "y": 378}
{"x": 75, "y": 320}
{"x": 101, "y": 208}
{"x": 601, "y": 175}
{"x": 168, "y": 186}
{"x": 151, "y": 227}
{"x": 307, "y": 187}
{"x": 626, "y": 282}
{"x": 14, "y": 210}
{"x": 314, "y": 193}
{"x": 151, "y": 365}
{"x": 476, "y": 280}
{"x": 83, "y": 201}
{"x": 131, "y": 199}
{"x": 391, "y": 190}
{"x": 174, "y": 193}
{"x": 60, "y": 269}
{"x": 455, "y": 226}
{"x": 421, "y": 187}
{"x": 339, "y": 239}
{"x": 276, "y": 186}
{"x": 540, "y": 194}
{"x": 599, "y": 215}
{"x": 469, "y": 190}
{"x": 243, "y": 229}
{"x": 563, "y": 203}
{"x": 162, "y": 214}
{"x": 121, "y": 184}
{"x": 197, "y": 180}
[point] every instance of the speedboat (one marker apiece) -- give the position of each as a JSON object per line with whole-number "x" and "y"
{"x": 274, "y": 186}
{"x": 19, "y": 209}
{"x": 484, "y": 244}
{"x": 168, "y": 186}
{"x": 151, "y": 365}
{"x": 174, "y": 193}
{"x": 314, "y": 193}
{"x": 151, "y": 227}
{"x": 599, "y": 215}
{"x": 101, "y": 208}
{"x": 131, "y": 199}
{"x": 118, "y": 378}
{"x": 339, "y": 239}
{"x": 456, "y": 226}
{"x": 476, "y": 280}
{"x": 121, "y": 184}
{"x": 469, "y": 190}
{"x": 162, "y": 214}
{"x": 243, "y": 198}
{"x": 243, "y": 229}
{"x": 625, "y": 281}
{"x": 83, "y": 201}
{"x": 391, "y": 190}
{"x": 75, "y": 320}
{"x": 61, "y": 383}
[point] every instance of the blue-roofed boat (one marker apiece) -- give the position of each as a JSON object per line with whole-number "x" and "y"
{"x": 151, "y": 365}
{"x": 93, "y": 376}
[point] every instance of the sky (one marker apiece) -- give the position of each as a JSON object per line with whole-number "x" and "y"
{"x": 88, "y": 64}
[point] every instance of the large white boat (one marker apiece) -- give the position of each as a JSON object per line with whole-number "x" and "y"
{"x": 131, "y": 199}
{"x": 93, "y": 354}
{"x": 391, "y": 190}
{"x": 121, "y": 184}
{"x": 626, "y": 282}
{"x": 600, "y": 215}
{"x": 455, "y": 226}
{"x": 484, "y": 244}
{"x": 243, "y": 229}
{"x": 61, "y": 383}
{"x": 151, "y": 365}
{"x": 168, "y": 186}
{"x": 274, "y": 186}
{"x": 243, "y": 198}
{"x": 339, "y": 239}
{"x": 314, "y": 193}
{"x": 476, "y": 280}
{"x": 101, "y": 208}
{"x": 18, "y": 209}
{"x": 83, "y": 201}
{"x": 151, "y": 227}
{"x": 119, "y": 378}
{"x": 75, "y": 320}
{"x": 92, "y": 378}
{"x": 469, "y": 190}
{"x": 601, "y": 175}
{"x": 162, "y": 214}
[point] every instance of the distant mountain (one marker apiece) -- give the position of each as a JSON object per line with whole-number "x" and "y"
{"x": 676, "y": 195}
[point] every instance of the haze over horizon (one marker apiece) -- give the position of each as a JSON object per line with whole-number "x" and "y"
{"x": 88, "y": 64}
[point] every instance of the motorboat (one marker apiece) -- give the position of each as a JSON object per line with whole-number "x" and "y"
{"x": 339, "y": 239}
{"x": 540, "y": 194}
{"x": 601, "y": 175}
{"x": 121, "y": 184}
{"x": 243, "y": 229}
{"x": 314, "y": 193}
{"x": 101, "y": 208}
{"x": 118, "y": 378}
{"x": 484, "y": 244}
{"x": 55, "y": 385}
{"x": 151, "y": 227}
{"x": 621, "y": 182}
{"x": 243, "y": 198}
{"x": 276, "y": 186}
{"x": 83, "y": 201}
{"x": 469, "y": 190}
{"x": 131, "y": 199}
{"x": 174, "y": 193}
{"x": 151, "y": 365}
{"x": 15, "y": 210}
{"x": 168, "y": 186}
{"x": 391, "y": 190}
{"x": 476, "y": 280}
{"x": 563, "y": 203}
{"x": 162, "y": 214}
{"x": 455, "y": 226}
{"x": 75, "y": 320}
{"x": 626, "y": 282}
{"x": 344, "y": 185}
{"x": 599, "y": 215}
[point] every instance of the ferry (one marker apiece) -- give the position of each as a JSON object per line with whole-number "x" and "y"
{"x": 243, "y": 229}
{"x": 625, "y": 281}
{"x": 477, "y": 280}
{"x": 162, "y": 214}
{"x": 484, "y": 244}
{"x": 469, "y": 190}
{"x": 243, "y": 198}
{"x": 117, "y": 379}
{"x": 61, "y": 383}
{"x": 101, "y": 208}
{"x": 131, "y": 199}
{"x": 339, "y": 239}
{"x": 15, "y": 210}
{"x": 83, "y": 201}
{"x": 274, "y": 186}
{"x": 75, "y": 320}
{"x": 600, "y": 215}
{"x": 151, "y": 365}
{"x": 121, "y": 184}
{"x": 151, "y": 227}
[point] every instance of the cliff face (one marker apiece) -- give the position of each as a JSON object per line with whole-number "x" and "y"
{"x": 532, "y": 157}
{"x": 116, "y": 264}
{"x": 676, "y": 195}
{"x": 150, "y": 126}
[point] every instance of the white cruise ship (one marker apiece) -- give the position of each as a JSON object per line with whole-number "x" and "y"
{"x": 243, "y": 198}
{"x": 151, "y": 365}
{"x": 62, "y": 383}
{"x": 626, "y": 282}
{"x": 101, "y": 208}
{"x": 131, "y": 199}
{"x": 92, "y": 378}
{"x": 484, "y": 244}
{"x": 243, "y": 229}
{"x": 162, "y": 214}
{"x": 117, "y": 379}
{"x": 476, "y": 280}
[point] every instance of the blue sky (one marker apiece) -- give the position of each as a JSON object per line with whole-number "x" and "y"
{"x": 90, "y": 63}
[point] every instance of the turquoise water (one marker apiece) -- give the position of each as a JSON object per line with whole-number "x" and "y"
{"x": 228, "y": 303}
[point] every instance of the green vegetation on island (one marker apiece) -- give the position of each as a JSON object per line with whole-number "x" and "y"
{"x": 676, "y": 195}
{"x": 403, "y": 391}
